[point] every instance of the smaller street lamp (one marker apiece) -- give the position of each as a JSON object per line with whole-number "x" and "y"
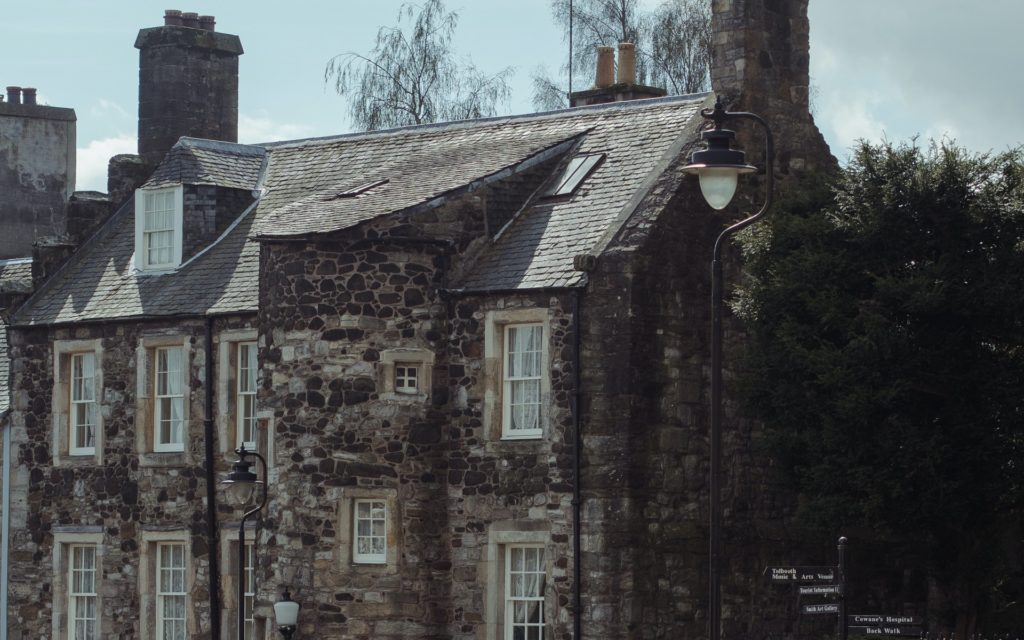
{"x": 286, "y": 612}
{"x": 719, "y": 167}
{"x": 240, "y": 485}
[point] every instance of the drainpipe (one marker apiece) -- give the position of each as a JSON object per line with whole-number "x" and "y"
{"x": 577, "y": 449}
{"x": 211, "y": 490}
{"x": 5, "y": 527}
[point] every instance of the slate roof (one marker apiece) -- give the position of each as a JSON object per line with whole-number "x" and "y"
{"x": 299, "y": 182}
{"x": 195, "y": 161}
{"x": 16, "y": 275}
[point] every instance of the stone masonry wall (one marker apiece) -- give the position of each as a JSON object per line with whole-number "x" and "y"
{"x": 121, "y": 499}
{"x": 331, "y": 311}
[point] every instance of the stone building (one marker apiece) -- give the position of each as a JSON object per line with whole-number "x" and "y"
{"x": 472, "y": 353}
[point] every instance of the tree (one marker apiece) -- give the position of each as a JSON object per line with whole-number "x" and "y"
{"x": 673, "y": 44}
{"x": 886, "y": 358}
{"x": 412, "y": 76}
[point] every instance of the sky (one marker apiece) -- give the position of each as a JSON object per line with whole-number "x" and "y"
{"x": 880, "y": 69}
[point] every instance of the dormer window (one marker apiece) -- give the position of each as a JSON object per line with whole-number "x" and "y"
{"x": 578, "y": 169}
{"x": 158, "y": 228}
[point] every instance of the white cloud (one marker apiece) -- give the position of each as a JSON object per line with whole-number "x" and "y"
{"x": 91, "y": 173}
{"x": 106, "y": 108}
{"x": 851, "y": 121}
{"x": 260, "y": 128}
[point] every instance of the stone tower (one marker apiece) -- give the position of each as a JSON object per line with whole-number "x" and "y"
{"x": 760, "y": 63}
{"x": 37, "y": 170}
{"x": 188, "y": 83}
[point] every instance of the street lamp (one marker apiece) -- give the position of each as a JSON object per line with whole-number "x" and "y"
{"x": 719, "y": 166}
{"x": 240, "y": 485}
{"x": 286, "y": 612}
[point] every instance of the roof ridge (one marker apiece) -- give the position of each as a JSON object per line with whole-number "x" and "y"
{"x": 188, "y": 142}
{"x": 479, "y": 122}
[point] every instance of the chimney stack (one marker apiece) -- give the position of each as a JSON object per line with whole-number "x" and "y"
{"x": 627, "y": 63}
{"x": 609, "y": 89}
{"x": 605, "y": 67}
{"x": 188, "y": 83}
{"x": 14, "y": 95}
{"x": 28, "y": 95}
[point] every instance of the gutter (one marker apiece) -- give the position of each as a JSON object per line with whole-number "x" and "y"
{"x": 212, "y": 530}
{"x": 577, "y": 452}
{"x": 5, "y": 526}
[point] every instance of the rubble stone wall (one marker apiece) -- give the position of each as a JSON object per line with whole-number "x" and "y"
{"x": 116, "y": 497}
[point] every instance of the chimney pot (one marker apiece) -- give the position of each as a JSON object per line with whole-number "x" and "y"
{"x": 28, "y": 95}
{"x": 190, "y": 19}
{"x": 605, "y": 67}
{"x": 207, "y": 23}
{"x": 172, "y": 18}
{"x": 627, "y": 63}
{"x": 14, "y": 95}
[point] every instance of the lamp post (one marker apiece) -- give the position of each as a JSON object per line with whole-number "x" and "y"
{"x": 240, "y": 486}
{"x": 286, "y": 613}
{"x": 719, "y": 166}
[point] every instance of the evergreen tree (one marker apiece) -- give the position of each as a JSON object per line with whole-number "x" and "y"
{"x": 886, "y": 357}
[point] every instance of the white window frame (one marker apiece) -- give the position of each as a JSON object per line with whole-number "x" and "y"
{"x": 511, "y": 599}
{"x": 65, "y": 537}
{"x": 407, "y": 377}
{"x": 76, "y": 390}
{"x": 163, "y": 594}
{"x": 62, "y": 443}
{"x": 76, "y": 598}
{"x": 170, "y": 445}
{"x": 243, "y": 394}
{"x": 142, "y": 261}
{"x": 509, "y": 382}
{"x": 370, "y": 557}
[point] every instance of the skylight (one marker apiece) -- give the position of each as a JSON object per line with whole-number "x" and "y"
{"x": 363, "y": 188}
{"x": 578, "y": 169}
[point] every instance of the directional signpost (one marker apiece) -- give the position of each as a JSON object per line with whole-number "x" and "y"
{"x": 829, "y": 580}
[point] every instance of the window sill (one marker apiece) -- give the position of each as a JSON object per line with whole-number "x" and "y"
{"x": 404, "y": 398}
{"x": 77, "y": 460}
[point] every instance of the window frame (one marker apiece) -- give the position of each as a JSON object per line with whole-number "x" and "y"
{"x": 240, "y": 417}
{"x": 509, "y": 600}
{"x": 369, "y": 558}
{"x": 159, "y": 592}
{"x": 64, "y": 538}
{"x": 73, "y": 596}
{"x": 508, "y": 382}
{"x": 142, "y": 262}
{"x": 249, "y": 592}
{"x": 501, "y": 535}
{"x": 403, "y": 378}
{"x": 91, "y": 404}
{"x": 181, "y": 396}
{"x": 64, "y": 453}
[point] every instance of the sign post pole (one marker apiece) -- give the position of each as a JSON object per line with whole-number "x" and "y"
{"x": 843, "y": 627}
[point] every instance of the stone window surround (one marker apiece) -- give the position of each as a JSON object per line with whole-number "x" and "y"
{"x": 421, "y": 358}
{"x": 145, "y": 361}
{"x": 61, "y": 402}
{"x": 140, "y": 210}
{"x": 63, "y": 539}
{"x": 495, "y": 321}
{"x": 346, "y": 538}
{"x": 227, "y": 418}
{"x": 151, "y": 538}
{"x": 229, "y": 584}
{"x": 500, "y": 535}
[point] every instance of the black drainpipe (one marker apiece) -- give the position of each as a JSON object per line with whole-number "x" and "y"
{"x": 211, "y": 490}
{"x": 577, "y": 572}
